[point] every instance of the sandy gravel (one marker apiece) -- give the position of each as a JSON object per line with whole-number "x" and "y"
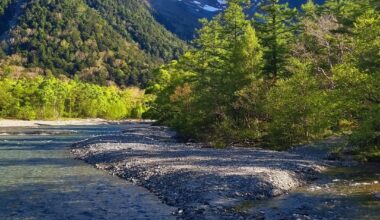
{"x": 202, "y": 182}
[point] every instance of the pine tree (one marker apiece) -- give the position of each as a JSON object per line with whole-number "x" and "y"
{"x": 205, "y": 83}
{"x": 347, "y": 11}
{"x": 367, "y": 42}
{"x": 232, "y": 56}
{"x": 276, "y": 24}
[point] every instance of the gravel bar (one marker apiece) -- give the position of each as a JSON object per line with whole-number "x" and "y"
{"x": 203, "y": 183}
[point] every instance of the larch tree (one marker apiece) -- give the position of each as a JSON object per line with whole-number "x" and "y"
{"x": 227, "y": 58}
{"x": 232, "y": 57}
{"x": 276, "y": 25}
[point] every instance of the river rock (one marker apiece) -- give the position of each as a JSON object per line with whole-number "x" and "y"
{"x": 377, "y": 195}
{"x": 187, "y": 175}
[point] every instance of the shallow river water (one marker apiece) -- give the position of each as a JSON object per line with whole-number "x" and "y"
{"x": 39, "y": 179}
{"x": 341, "y": 193}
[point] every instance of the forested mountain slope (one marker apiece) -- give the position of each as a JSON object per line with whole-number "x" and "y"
{"x": 133, "y": 20}
{"x": 98, "y": 41}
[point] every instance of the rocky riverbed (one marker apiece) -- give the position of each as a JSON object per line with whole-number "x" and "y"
{"x": 201, "y": 182}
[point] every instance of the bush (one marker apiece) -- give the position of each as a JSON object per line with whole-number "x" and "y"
{"x": 297, "y": 109}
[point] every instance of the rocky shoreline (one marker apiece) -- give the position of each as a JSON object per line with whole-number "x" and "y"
{"x": 203, "y": 183}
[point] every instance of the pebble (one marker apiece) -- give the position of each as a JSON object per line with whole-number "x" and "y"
{"x": 300, "y": 217}
{"x": 185, "y": 175}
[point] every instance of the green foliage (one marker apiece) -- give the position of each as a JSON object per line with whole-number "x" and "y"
{"x": 347, "y": 11}
{"x": 276, "y": 25}
{"x": 358, "y": 85}
{"x": 198, "y": 90}
{"x": 298, "y": 110}
{"x": 50, "y": 98}
{"x": 324, "y": 80}
{"x": 367, "y": 42}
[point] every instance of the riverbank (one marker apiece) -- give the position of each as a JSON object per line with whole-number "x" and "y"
{"x": 60, "y": 122}
{"x": 202, "y": 182}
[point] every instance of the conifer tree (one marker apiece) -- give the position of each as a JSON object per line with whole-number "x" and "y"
{"x": 228, "y": 58}
{"x": 276, "y": 24}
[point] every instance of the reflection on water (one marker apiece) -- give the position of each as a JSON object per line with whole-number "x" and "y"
{"x": 39, "y": 180}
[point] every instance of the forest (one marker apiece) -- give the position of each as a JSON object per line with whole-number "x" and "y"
{"x": 134, "y": 21}
{"x": 98, "y": 41}
{"x": 280, "y": 78}
{"x": 50, "y": 98}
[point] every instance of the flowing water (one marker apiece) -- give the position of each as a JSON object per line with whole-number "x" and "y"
{"x": 39, "y": 179}
{"x": 341, "y": 193}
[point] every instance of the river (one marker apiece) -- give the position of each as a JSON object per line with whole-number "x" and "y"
{"x": 40, "y": 180}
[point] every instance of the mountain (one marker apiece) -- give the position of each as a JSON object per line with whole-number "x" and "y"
{"x": 101, "y": 41}
{"x": 134, "y": 21}
{"x": 181, "y": 16}
{"x": 96, "y": 40}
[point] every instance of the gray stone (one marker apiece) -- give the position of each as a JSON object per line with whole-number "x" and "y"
{"x": 186, "y": 175}
{"x": 377, "y": 196}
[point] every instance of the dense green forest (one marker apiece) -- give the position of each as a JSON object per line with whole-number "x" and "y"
{"x": 98, "y": 41}
{"x": 133, "y": 20}
{"x": 281, "y": 78}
